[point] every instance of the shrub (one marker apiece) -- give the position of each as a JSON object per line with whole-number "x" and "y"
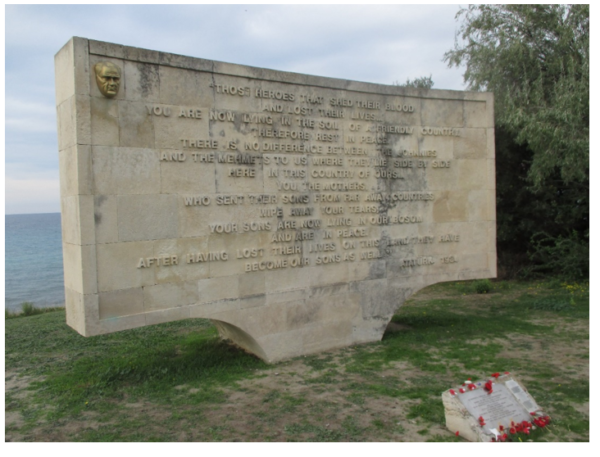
{"x": 29, "y": 309}
{"x": 566, "y": 256}
{"x": 482, "y": 286}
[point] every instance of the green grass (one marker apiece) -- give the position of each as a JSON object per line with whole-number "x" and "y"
{"x": 29, "y": 309}
{"x": 178, "y": 381}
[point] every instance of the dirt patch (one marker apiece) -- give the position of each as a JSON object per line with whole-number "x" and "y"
{"x": 297, "y": 403}
{"x": 16, "y": 390}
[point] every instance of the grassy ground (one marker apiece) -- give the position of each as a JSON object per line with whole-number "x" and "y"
{"x": 179, "y": 382}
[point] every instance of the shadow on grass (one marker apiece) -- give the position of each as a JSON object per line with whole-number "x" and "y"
{"x": 149, "y": 361}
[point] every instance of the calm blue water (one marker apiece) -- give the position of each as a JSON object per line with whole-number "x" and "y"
{"x": 33, "y": 264}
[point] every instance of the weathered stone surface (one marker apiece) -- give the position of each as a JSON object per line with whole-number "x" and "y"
{"x": 508, "y": 403}
{"x": 297, "y": 212}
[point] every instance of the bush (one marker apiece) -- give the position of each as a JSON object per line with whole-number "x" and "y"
{"x": 482, "y": 286}
{"x": 29, "y": 309}
{"x": 567, "y": 257}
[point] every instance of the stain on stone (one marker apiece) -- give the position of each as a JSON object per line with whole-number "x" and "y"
{"x": 303, "y": 315}
{"x": 149, "y": 78}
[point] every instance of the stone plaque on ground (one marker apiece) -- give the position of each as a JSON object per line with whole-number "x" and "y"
{"x": 296, "y": 212}
{"x": 480, "y": 415}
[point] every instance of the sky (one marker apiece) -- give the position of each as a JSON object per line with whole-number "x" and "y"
{"x": 374, "y": 43}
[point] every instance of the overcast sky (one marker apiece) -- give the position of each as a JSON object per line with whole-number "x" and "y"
{"x": 374, "y": 43}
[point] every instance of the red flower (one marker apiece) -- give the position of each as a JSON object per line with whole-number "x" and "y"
{"x": 461, "y": 390}
{"x": 456, "y": 433}
{"x": 540, "y": 422}
{"x": 496, "y": 375}
{"x": 533, "y": 413}
{"x": 488, "y": 386}
{"x": 513, "y": 430}
{"x": 506, "y": 372}
{"x": 452, "y": 392}
{"x": 526, "y": 431}
{"x": 472, "y": 387}
{"x": 501, "y": 427}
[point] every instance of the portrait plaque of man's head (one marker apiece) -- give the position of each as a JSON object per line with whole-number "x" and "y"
{"x": 108, "y": 77}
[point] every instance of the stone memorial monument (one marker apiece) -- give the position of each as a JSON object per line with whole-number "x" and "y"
{"x": 296, "y": 212}
{"x": 488, "y": 410}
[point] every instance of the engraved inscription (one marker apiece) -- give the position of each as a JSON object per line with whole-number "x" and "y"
{"x": 498, "y": 408}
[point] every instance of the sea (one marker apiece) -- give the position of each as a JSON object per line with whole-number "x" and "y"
{"x": 33, "y": 261}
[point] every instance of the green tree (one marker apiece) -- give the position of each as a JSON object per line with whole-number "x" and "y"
{"x": 423, "y": 82}
{"x": 535, "y": 58}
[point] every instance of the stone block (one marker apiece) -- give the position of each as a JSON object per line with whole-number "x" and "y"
{"x": 169, "y": 295}
{"x": 188, "y": 178}
{"x": 122, "y": 171}
{"x": 75, "y": 310}
{"x": 75, "y": 171}
{"x": 215, "y": 289}
{"x": 471, "y": 145}
{"x": 167, "y": 315}
{"x": 79, "y": 263}
{"x": 119, "y": 324}
{"x": 451, "y": 206}
{"x": 265, "y": 320}
{"x": 252, "y": 284}
{"x": 189, "y": 259}
{"x": 104, "y": 121}
{"x": 118, "y": 265}
{"x": 442, "y": 113}
{"x": 475, "y": 113}
{"x": 147, "y": 217}
{"x": 184, "y": 87}
{"x": 136, "y": 126}
{"x": 171, "y": 130}
{"x": 326, "y": 335}
{"x": 105, "y": 218}
{"x": 280, "y": 346}
{"x": 120, "y": 303}
{"x": 142, "y": 82}
{"x": 228, "y": 308}
{"x": 64, "y": 66}
{"x": 66, "y": 124}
